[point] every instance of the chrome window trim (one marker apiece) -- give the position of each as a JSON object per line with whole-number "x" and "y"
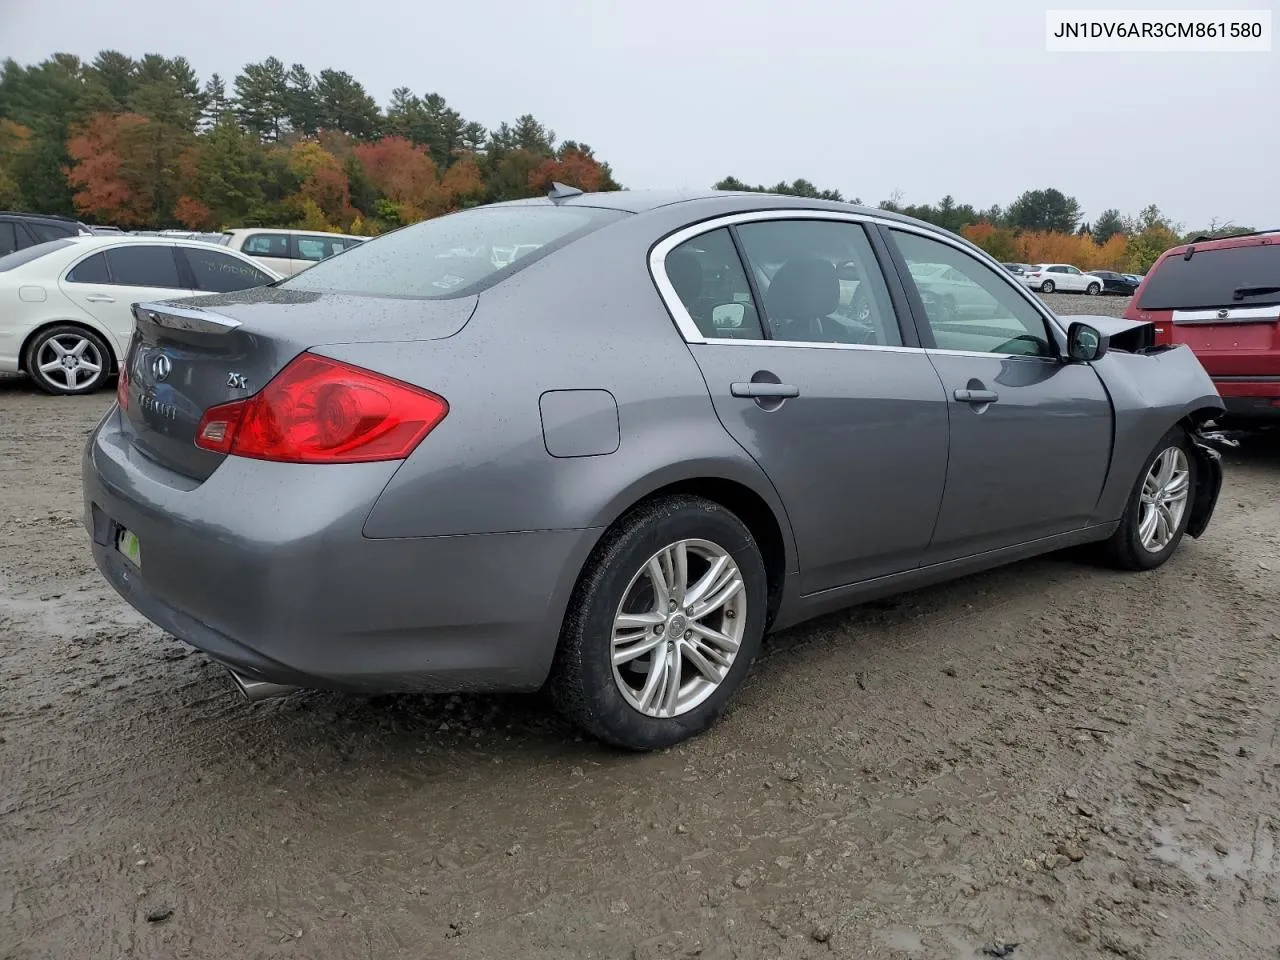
{"x": 1211, "y": 315}
{"x": 689, "y": 330}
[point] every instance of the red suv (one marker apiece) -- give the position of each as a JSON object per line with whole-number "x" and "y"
{"x": 1221, "y": 297}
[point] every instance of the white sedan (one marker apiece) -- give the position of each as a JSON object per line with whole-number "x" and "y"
{"x": 66, "y": 306}
{"x": 1061, "y": 277}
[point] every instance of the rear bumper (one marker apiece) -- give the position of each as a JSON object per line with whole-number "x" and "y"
{"x": 1250, "y": 399}
{"x": 275, "y": 579}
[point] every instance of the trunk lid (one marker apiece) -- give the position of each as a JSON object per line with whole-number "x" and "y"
{"x": 191, "y": 354}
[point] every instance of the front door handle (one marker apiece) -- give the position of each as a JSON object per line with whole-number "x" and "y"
{"x": 756, "y": 390}
{"x": 100, "y": 298}
{"x": 977, "y": 396}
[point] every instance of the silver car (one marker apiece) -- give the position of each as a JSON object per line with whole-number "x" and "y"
{"x": 611, "y": 463}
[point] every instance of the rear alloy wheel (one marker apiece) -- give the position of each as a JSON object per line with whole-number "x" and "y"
{"x": 1159, "y": 507}
{"x": 663, "y": 626}
{"x": 1047, "y": 287}
{"x": 1093, "y": 289}
{"x": 68, "y": 359}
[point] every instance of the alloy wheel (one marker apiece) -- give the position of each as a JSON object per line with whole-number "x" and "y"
{"x": 1165, "y": 493}
{"x": 678, "y": 628}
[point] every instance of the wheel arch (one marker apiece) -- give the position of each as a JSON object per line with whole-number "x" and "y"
{"x": 112, "y": 347}
{"x": 751, "y": 499}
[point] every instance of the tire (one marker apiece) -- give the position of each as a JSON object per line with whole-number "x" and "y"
{"x": 49, "y": 348}
{"x": 1047, "y": 287}
{"x": 1093, "y": 289}
{"x": 1125, "y": 549}
{"x": 584, "y": 684}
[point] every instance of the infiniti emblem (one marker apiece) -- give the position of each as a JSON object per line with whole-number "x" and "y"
{"x": 160, "y": 367}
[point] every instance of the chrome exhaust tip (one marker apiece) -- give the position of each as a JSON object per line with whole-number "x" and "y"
{"x": 255, "y": 690}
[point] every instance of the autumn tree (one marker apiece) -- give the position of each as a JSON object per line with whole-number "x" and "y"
{"x": 106, "y": 169}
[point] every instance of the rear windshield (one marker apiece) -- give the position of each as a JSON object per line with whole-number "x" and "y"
{"x": 26, "y": 255}
{"x": 1210, "y": 277}
{"x": 452, "y": 256}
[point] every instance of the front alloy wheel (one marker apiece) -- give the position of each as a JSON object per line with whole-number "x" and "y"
{"x": 1165, "y": 493}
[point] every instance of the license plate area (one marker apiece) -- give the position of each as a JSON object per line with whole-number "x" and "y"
{"x": 128, "y": 545}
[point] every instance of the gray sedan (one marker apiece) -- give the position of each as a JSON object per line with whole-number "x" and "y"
{"x": 611, "y": 462}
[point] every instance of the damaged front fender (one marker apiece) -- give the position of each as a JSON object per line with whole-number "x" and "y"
{"x": 1208, "y": 483}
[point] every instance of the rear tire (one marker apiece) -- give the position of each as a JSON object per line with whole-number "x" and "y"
{"x": 68, "y": 360}
{"x": 1047, "y": 287}
{"x": 1163, "y": 500}
{"x": 618, "y": 608}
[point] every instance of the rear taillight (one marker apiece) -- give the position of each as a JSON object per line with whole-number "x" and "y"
{"x": 318, "y": 410}
{"x": 122, "y": 388}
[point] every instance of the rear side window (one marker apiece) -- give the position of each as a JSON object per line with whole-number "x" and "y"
{"x": 1212, "y": 277}
{"x": 452, "y": 256}
{"x": 48, "y": 231}
{"x": 27, "y": 254}
{"x": 218, "y": 272}
{"x": 144, "y": 267}
{"x": 90, "y": 270}
{"x": 317, "y": 248}
{"x": 267, "y": 245}
{"x": 707, "y": 275}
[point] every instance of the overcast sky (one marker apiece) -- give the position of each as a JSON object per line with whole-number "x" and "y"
{"x": 924, "y": 96}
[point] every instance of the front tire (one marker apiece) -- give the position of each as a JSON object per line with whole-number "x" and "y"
{"x": 1093, "y": 289}
{"x": 1159, "y": 506}
{"x": 1047, "y": 287}
{"x": 663, "y": 626}
{"x": 68, "y": 360}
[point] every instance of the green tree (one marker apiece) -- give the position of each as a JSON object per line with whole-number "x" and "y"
{"x": 261, "y": 99}
{"x": 344, "y": 105}
{"x": 1108, "y": 224}
{"x": 300, "y": 102}
{"x": 1047, "y": 209}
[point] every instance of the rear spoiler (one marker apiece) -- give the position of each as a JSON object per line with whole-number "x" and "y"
{"x": 183, "y": 318}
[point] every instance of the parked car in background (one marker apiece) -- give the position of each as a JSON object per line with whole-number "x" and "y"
{"x": 616, "y": 461}
{"x": 288, "y": 251}
{"x": 100, "y": 230}
{"x": 21, "y": 230}
{"x": 1118, "y": 283}
{"x": 66, "y": 306}
{"x": 1221, "y": 297}
{"x": 1017, "y": 269}
{"x": 1060, "y": 278}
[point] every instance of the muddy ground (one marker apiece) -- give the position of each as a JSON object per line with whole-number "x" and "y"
{"x": 1052, "y": 755}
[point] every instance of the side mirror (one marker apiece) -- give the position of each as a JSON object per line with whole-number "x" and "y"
{"x": 728, "y": 316}
{"x": 1084, "y": 343}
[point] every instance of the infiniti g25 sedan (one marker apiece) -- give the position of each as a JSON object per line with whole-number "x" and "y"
{"x": 609, "y": 464}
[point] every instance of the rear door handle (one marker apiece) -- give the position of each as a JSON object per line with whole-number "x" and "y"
{"x": 100, "y": 298}
{"x": 977, "y": 396}
{"x": 758, "y": 390}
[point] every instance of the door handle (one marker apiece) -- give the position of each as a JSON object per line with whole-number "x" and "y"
{"x": 100, "y": 298}
{"x": 769, "y": 390}
{"x": 977, "y": 396}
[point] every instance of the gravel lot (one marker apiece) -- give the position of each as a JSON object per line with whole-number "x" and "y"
{"x": 1052, "y": 755}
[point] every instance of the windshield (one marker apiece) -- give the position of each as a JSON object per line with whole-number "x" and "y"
{"x": 27, "y": 254}
{"x": 1211, "y": 277}
{"x": 456, "y": 255}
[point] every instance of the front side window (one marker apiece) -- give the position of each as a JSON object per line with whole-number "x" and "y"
{"x": 456, "y": 255}
{"x": 980, "y": 313}
{"x": 709, "y": 280}
{"x": 143, "y": 266}
{"x": 820, "y": 282}
{"x": 267, "y": 245}
{"x": 217, "y": 272}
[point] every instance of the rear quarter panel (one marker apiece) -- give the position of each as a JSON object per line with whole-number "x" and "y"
{"x": 584, "y": 318}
